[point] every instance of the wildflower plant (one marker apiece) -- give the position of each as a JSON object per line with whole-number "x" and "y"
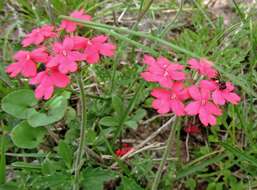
{"x": 51, "y": 57}
{"x": 192, "y": 91}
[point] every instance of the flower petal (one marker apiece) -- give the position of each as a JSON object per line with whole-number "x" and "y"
{"x": 218, "y": 98}
{"x": 194, "y": 92}
{"x": 193, "y": 108}
{"x": 177, "y": 107}
{"x": 232, "y": 97}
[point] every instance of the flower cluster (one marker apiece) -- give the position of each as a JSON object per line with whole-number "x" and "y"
{"x": 123, "y": 150}
{"x": 58, "y": 54}
{"x": 183, "y": 94}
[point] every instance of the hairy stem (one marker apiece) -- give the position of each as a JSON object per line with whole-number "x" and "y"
{"x": 165, "y": 155}
{"x": 83, "y": 123}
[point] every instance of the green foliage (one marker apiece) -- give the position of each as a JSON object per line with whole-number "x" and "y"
{"x": 19, "y": 103}
{"x": 25, "y": 136}
{"x": 65, "y": 152}
{"x": 94, "y": 178}
{"x": 39, "y": 138}
{"x": 55, "y": 110}
{"x": 128, "y": 184}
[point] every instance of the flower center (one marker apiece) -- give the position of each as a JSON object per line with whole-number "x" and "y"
{"x": 203, "y": 102}
{"x": 27, "y": 57}
{"x": 64, "y": 53}
{"x": 165, "y": 73}
{"x": 173, "y": 96}
{"x": 48, "y": 71}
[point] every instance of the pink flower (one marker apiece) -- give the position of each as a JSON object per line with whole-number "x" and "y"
{"x": 162, "y": 71}
{"x": 223, "y": 93}
{"x": 124, "y": 150}
{"x": 203, "y": 66}
{"x": 71, "y": 26}
{"x": 98, "y": 46}
{"x": 26, "y": 62}
{"x": 170, "y": 99}
{"x": 65, "y": 57}
{"x": 38, "y": 35}
{"x": 202, "y": 106}
{"x": 47, "y": 80}
{"x": 192, "y": 129}
{"x": 79, "y": 42}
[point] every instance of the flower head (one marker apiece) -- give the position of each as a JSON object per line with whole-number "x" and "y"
{"x": 47, "y": 80}
{"x": 65, "y": 56}
{"x": 162, "y": 71}
{"x": 224, "y": 93}
{"x": 38, "y": 35}
{"x": 71, "y": 26}
{"x": 96, "y": 47}
{"x": 202, "y": 106}
{"x": 26, "y": 62}
{"x": 203, "y": 66}
{"x": 192, "y": 129}
{"x": 170, "y": 99}
{"x": 124, "y": 150}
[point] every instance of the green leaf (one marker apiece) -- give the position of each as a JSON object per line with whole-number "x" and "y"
{"x": 18, "y": 103}
{"x": 139, "y": 115}
{"x": 25, "y": 136}
{"x": 2, "y": 161}
{"x": 132, "y": 124}
{"x": 70, "y": 115}
{"x": 190, "y": 169}
{"x": 54, "y": 180}
{"x": 240, "y": 154}
{"x": 117, "y": 105}
{"x": 94, "y": 178}
{"x": 25, "y": 165}
{"x": 64, "y": 151}
{"x": 109, "y": 121}
{"x": 9, "y": 186}
{"x": 56, "y": 110}
{"x": 129, "y": 184}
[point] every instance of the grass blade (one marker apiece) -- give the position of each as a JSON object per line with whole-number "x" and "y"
{"x": 110, "y": 30}
{"x": 240, "y": 154}
{"x": 190, "y": 169}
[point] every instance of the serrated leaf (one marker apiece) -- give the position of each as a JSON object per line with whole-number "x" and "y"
{"x": 117, "y": 105}
{"x": 65, "y": 152}
{"x": 56, "y": 110}
{"x": 94, "y": 178}
{"x": 19, "y": 102}
{"x": 25, "y": 136}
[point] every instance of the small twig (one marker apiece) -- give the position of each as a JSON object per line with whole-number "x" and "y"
{"x": 153, "y": 135}
{"x": 155, "y": 117}
{"x": 165, "y": 155}
{"x": 187, "y": 149}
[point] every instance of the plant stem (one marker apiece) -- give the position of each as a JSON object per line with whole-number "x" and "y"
{"x": 165, "y": 155}
{"x": 2, "y": 162}
{"x": 83, "y": 123}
